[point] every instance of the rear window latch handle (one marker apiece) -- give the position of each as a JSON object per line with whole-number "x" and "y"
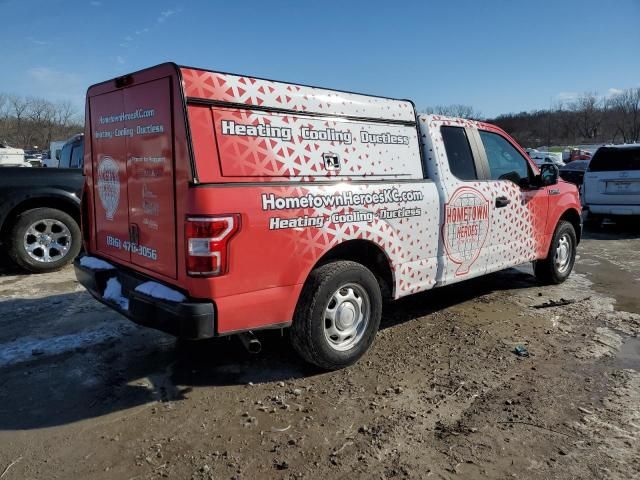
{"x": 134, "y": 233}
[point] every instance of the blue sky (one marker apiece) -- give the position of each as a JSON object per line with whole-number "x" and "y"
{"x": 498, "y": 56}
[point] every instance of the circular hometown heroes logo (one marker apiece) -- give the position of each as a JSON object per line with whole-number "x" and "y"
{"x": 465, "y": 228}
{"x": 109, "y": 186}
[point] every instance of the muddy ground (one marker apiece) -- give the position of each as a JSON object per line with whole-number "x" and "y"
{"x": 86, "y": 394}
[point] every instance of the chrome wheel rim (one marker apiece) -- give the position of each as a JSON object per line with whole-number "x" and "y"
{"x": 47, "y": 240}
{"x": 563, "y": 253}
{"x": 346, "y": 316}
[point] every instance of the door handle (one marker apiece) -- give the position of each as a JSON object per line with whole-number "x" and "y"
{"x": 134, "y": 233}
{"x": 502, "y": 202}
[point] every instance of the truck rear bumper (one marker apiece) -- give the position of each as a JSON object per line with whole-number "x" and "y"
{"x": 185, "y": 319}
{"x": 613, "y": 209}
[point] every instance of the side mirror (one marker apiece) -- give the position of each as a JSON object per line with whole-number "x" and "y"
{"x": 549, "y": 174}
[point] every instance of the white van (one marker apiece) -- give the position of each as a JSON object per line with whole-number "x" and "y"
{"x": 55, "y": 149}
{"x": 12, "y": 157}
{"x": 612, "y": 182}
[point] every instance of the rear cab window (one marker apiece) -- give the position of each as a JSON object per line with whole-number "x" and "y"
{"x": 609, "y": 159}
{"x": 461, "y": 161}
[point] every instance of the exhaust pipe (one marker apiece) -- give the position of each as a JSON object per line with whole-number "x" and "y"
{"x": 250, "y": 342}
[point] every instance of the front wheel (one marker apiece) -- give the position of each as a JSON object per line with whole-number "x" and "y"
{"x": 557, "y": 267}
{"x": 338, "y": 315}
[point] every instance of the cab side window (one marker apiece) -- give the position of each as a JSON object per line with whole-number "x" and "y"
{"x": 505, "y": 162}
{"x": 76, "y": 156}
{"x": 459, "y": 153}
{"x": 65, "y": 156}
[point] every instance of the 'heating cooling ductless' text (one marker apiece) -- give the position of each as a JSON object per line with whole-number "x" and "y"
{"x": 348, "y": 199}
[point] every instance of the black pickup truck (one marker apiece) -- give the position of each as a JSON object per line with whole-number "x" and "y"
{"x": 40, "y": 211}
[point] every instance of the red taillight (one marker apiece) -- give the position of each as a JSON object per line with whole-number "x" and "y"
{"x": 207, "y": 240}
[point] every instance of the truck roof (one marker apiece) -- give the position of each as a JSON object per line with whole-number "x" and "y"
{"x": 622, "y": 146}
{"x": 262, "y": 93}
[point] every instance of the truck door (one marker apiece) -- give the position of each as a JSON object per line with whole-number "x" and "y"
{"x": 519, "y": 211}
{"x": 466, "y": 204}
{"x": 110, "y": 175}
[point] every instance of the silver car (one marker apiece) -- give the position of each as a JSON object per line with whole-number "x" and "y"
{"x": 611, "y": 184}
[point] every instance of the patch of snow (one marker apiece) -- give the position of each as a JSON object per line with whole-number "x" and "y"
{"x": 159, "y": 291}
{"x": 94, "y": 263}
{"x": 28, "y": 348}
{"x": 113, "y": 292}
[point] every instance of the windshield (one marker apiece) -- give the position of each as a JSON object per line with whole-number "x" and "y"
{"x": 611, "y": 159}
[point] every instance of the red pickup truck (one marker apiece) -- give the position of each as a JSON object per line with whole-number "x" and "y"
{"x": 220, "y": 204}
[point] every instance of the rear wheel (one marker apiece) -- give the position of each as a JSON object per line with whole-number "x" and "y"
{"x": 44, "y": 240}
{"x": 557, "y": 267}
{"x": 338, "y": 315}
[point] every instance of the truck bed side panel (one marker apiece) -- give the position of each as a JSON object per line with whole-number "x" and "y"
{"x": 298, "y": 146}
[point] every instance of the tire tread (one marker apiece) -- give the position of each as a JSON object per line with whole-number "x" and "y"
{"x": 545, "y": 270}
{"x": 301, "y": 331}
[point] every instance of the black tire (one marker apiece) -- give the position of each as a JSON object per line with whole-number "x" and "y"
{"x": 307, "y": 333}
{"x": 548, "y": 271}
{"x": 59, "y": 258}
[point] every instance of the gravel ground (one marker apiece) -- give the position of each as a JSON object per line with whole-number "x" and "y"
{"x": 86, "y": 394}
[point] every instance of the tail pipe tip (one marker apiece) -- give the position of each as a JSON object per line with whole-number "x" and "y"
{"x": 250, "y": 342}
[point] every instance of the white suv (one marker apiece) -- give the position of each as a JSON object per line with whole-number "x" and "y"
{"x": 612, "y": 182}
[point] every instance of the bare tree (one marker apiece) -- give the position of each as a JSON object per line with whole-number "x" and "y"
{"x": 64, "y": 113}
{"x": 42, "y": 116}
{"x": 4, "y": 116}
{"x": 26, "y": 122}
{"x": 625, "y": 107}
{"x": 588, "y": 110}
{"x": 456, "y": 110}
{"x": 590, "y": 118}
{"x": 4, "y": 106}
{"x": 18, "y": 111}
